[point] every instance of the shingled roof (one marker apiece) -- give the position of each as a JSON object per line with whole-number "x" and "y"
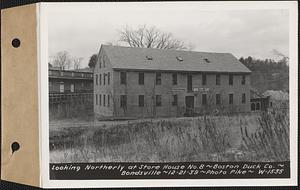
{"x": 172, "y": 60}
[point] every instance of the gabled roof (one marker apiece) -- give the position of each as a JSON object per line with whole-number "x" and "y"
{"x": 172, "y": 60}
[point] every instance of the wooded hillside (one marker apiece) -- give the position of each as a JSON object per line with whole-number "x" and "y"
{"x": 268, "y": 74}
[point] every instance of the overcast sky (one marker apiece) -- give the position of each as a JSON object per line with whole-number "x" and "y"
{"x": 80, "y": 29}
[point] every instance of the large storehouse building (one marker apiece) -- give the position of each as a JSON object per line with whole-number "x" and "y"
{"x": 144, "y": 82}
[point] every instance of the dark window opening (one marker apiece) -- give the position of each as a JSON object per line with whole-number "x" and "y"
{"x": 158, "y": 78}
{"x": 108, "y": 78}
{"x": 96, "y": 99}
{"x": 174, "y": 78}
{"x": 252, "y": 106}
{"x": 100, "y": 98}
{"x": 257, "y": 106}
{"x": 104, "y": 77}
{"x": 204, "y": 99}
{"x": 123, "y": 77}
{"x": 123, "y": 102}
{"x": 96, "y": 79}
{"x": 100, "y": 79}
{"x": 243, "y": 80}
{"x": 158, "y": 100}
{"x": 108, "y": 100}
{"x": 218, "y": 79}
{"x": 175, "y": 100}
{"x": 203, "y": 79}
{"x": 104, "y": 100}
{"x": 243, "y": 98}
{"x": 218, "y": 99}
{"x": 230, "y": 79}
{"x": 189, "y": 83}
{"x": 141, "y": 100}
{"x": 230, "y": 98}
{"x": 141, "y": 78}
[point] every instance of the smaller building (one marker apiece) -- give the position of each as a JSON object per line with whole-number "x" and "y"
{"x": 258, "y": 101}
{"x": 278, "y": 99}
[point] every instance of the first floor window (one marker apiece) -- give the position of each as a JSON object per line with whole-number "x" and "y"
{"x": 141, "y": 100}
{"x": 204, "y": 99}
{"x": 104, "y": 100}
{"x": 96, "y": 99}
{"x": 230, "y": 98}
{"x": 218, "y": 99}
{"x": 100, "y": 79}
{"x": 123, "y": 101}
{"x": 175, "y": 100}
{"x": 158, "y": 100}
{"x": 243, "y": 98}
{"x": 100, "y": 98}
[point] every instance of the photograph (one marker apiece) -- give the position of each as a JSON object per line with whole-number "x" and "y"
{"x": 167, "y": 82}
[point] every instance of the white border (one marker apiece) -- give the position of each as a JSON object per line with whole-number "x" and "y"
{"x": 44, "y": 120}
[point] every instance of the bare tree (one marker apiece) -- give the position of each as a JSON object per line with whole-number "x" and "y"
{"x": 62, "y": 60}
{"x": 280, "y": 55}
{"x": 76, "y": 62}
{"x": 150, "y": 37}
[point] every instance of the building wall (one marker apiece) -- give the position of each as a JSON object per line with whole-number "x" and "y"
{"x": 80, "y": 86}
{"x": 132, "y": 89}
{"x": 100, "y": 89}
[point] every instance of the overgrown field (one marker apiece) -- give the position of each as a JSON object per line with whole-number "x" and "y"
{"x": 205, "y": 138}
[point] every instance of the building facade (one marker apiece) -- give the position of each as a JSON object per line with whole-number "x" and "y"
{"x": 143, "y": 82}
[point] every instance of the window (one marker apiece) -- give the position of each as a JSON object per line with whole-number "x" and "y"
{"x": 218, "y": 99}
{"x": 123, "y": 77}
{"x": 204, "y": 99}
{"x": 257, "y": 106}
{"x": 218, "y": 79}
{"x": 243, "y": 98}
{"x": 96, "y": 99}
{"x": 271, "y": 104}
{"x": 108, "y": 100}
{"x": 189, "y": 83}
{"x": 96, "y": 79}
{"x": 252, "y": 106}
{"x": 243, "y": 80}
{"x": 230, "y": 98}
{"x": 203, "y": 79}
{"x": 230, "y": 79}
{"x": 108, "y": 78}
{"x": 175, "y": 100}
{"x": 123, "y": 101}
{"x": 174, "y": 78}
{"x": 158, "y": 78}
{"x": 100, "y": 79}
{"x": 100, "y": 98}
{"x": 104, "y": 100}
{"x": 104, "y": 77}
{"x": 141, "y": 78}
{"x": 141, "y": 100}
{"x": 158, "y": 100}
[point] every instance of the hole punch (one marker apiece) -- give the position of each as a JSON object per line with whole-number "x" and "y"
{"x": 15, "y": 146}
{"x": 16, "y": 43}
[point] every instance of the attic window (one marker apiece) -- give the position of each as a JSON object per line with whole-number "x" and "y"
{"x": 206, "y": 60}
{"x": 149, "y": 57}
{"x": 179, "y": 58}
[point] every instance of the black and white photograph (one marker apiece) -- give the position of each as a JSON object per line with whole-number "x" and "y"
{"x": 168, "y": 83}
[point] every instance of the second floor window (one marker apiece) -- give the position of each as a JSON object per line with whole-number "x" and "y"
{"x": 230, "y": 79}
{"x": 218, "y": 79}
{"x": 174, "y": 78}
{"x": 104, "y": 103}
{"x": 96, "y": 79}
{"x": 123, "y": 77}
{"x": 158, "y": 78}
{"x": 123, "y": 101}
{"x": 108, "y": 78}
{"x": 230, "y": 98}
{"x": 158, "y": 100}
{"x": 100, "y": 100}
{"x": 141, "y": 100}
{"x": 104, "y": 77}
{"x": 203, "y": 79}
{"x": 243, "y": 80}
{"x": 141, "y": 78}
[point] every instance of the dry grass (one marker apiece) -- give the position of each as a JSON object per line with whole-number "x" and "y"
{"x": 190, "y": 139}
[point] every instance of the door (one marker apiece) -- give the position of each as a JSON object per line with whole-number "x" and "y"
{"x": 72, "y": 87}
{"x": 61, "y": 87}
{"x": 189, "y": 104}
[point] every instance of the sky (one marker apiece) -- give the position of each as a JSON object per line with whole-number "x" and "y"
{"x": 80, "y": 28}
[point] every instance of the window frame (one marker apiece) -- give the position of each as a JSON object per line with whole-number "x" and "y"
{"x": 123, "y": 101}
{"x": 243, "y": 98}
{"x": 218, "y": 99}
{"x": 204, "y": 99}
{"x": 141, "y": 80}
{"x": 230, "y": 99}
{"x": 141, "y": 100}
{"x": 204, "y": 80}
{"x": 175, "y": 100}
{"x": 230, "y": 79}
{"x": 158, "y": 103}
{"x": 243, "y": 82}
{"x": 158, "y": 80}
{"x": 123, "y": 77}
{"x": 218, "y": 79}
{"x": 174, "y": 79}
